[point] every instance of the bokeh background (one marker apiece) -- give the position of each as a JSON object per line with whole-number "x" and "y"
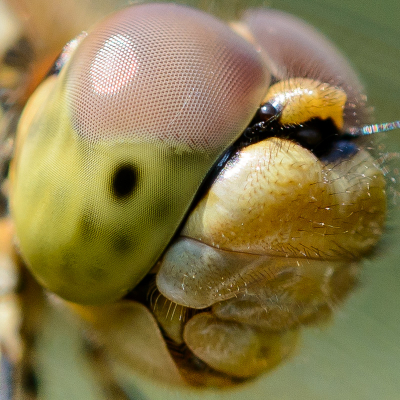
{"x": 357, "y": 356}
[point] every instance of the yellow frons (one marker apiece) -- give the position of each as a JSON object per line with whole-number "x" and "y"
{"x": 303, "y": 99}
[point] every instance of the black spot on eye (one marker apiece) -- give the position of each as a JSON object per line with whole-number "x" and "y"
{"x": 68, "y": 268}
{"x": 161, "y": 209}
{"x": 121, "y": 243}
{"x": 88, "y": 226}
{"x": 124, "y": 181}
{"x": 97, "y": 273}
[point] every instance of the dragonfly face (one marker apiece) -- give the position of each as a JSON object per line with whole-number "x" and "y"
{"x": 161, "y": 105}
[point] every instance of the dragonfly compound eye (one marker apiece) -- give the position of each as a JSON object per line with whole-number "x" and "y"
{"x": 122, "y": 137}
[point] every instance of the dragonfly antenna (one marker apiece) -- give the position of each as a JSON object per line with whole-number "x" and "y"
{"x": 374, "y": 128}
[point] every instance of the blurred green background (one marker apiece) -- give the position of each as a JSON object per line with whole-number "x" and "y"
{"x": 358, "y": 355}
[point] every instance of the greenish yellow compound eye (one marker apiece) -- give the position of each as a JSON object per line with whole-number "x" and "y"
{"x": 112, "y": 150}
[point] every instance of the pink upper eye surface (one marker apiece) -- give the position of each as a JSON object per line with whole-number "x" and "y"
{"x": 164, "y": 73}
